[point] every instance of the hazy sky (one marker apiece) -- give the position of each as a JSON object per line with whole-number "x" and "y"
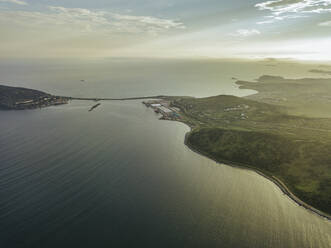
{"x": 166, "y": 28}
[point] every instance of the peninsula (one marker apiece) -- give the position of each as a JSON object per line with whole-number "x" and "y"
{"x": 282, "y": 132}
{"x": 17, "y": 98}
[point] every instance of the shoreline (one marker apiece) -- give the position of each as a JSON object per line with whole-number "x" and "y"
{"x": 281, "y": 185}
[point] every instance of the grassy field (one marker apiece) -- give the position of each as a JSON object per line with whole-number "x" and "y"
{"x": 268, "y": 137}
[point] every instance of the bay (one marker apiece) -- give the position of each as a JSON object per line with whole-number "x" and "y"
{"x": 119, "y": 177}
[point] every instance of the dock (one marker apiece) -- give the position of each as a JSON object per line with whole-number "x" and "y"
{"x": 164, "y": 108}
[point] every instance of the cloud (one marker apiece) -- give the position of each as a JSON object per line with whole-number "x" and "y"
{"x": 85, "y": 20}
{"x": 19, "y": 2}
{"x": 75, "y": 32}
{"x": 325, "y": 24}
{"x": 113, "y": 21}
{"x": 148, "y": 20}
{"x": 246, "y": 32}
{"x": 272, "y": 19}
{"x": 292, "y": 9}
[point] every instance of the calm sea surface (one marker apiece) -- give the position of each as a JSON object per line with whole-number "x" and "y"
{"x": 119, "y": 177}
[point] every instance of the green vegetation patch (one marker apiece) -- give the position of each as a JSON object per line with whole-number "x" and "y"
{"x": 282, "y": 131}
{"x": 307, "y": 174}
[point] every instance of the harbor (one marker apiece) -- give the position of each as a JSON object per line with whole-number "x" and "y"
{"x": 164, "y": 108}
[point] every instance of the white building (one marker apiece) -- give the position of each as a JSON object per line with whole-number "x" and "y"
{"x": 165, "y": 110}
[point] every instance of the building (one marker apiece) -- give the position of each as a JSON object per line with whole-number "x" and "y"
{"x": 165, "y": 111}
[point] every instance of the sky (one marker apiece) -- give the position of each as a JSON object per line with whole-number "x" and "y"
{"x": 297, "y": 29}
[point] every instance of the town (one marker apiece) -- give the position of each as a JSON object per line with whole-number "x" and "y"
{"x": 18, "y": 98}
{"x": 39, "y": 102}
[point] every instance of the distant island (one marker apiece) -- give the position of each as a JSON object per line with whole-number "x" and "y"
{"x": 283, "y": 132}
{"x": 328, "y": 72}
{"x": 17, "y": 98}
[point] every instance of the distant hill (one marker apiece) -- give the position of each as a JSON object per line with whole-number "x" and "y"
{"x": 308, "y": 97}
